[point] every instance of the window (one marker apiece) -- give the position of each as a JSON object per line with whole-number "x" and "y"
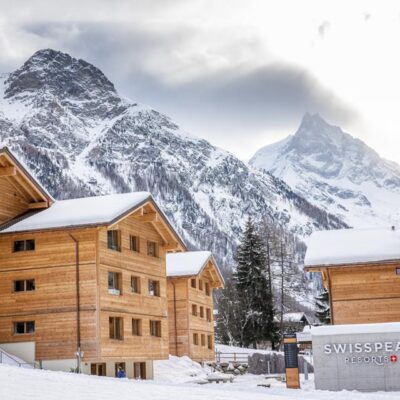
{"x": 136, "y": 327}
{"x": 120, "y": 369}
{"x": 98, "y": 369}
{"x": 155, "y": 328}
{"x": 26, "y": 327}
{"x": 201, "y": 312}
{"x": 208, "y": 314}
{"x": 195, "y": 339}
{"x": 25, "y": 285}
{"x": 203, "y": 339}
{"x": 139, "y": 370}
{"x": 114, "y": 283}
{"x": 200, "y": 284}
{"x": 134, "y": 242}
{"x": 154, "y": 288}
{"x": 152, "y": 249}
{"x": 24, "y": 245}
{"x": 135, "y": 284}
{"x": 194, "y": 310}
{"x": 207, "y": 287}
{"x": 397, "y": 271}
{"x": 210, "y": 341}
{"x": 193, "y": 283}
{"x": 114, "y": 240}
{"x": 116, "y": 328}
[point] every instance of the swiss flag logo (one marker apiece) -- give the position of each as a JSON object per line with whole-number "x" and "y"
{"x": 393, "y": 358}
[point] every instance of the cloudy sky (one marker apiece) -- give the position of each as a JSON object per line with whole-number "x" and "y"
{"x": 240, "y": 73}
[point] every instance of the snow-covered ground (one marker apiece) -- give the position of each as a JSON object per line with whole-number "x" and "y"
{"x": 170, "y": 377}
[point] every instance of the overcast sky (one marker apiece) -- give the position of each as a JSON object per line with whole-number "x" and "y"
{"x": 239, "y": 73}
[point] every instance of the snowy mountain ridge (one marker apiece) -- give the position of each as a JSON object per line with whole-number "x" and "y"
{"x": 336, "y": 172}
{"x": 65, "y": 119}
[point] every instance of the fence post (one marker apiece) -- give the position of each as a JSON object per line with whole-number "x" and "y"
{"x": 305, "y": 363}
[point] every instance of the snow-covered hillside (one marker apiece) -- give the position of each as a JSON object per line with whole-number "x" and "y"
{"x": 336, "y": 172}
{"x": 80, "y": 137}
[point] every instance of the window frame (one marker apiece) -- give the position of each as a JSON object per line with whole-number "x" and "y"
{"x": 196, "y": 339}
{"x": 25, "y": 285}
{"x": 203, "y": 340}
{"x": 155, "y": 328}
{"x": 138, "y": 284}
{"x": 194, "y": 310}
{"x": 137, "y": 332}
{"x": 207, "y": 288}
{"x": 201, "y": 312}
{"x": 117, "y": 324}
{"x": 210, "y": 342}
{"x": 116, "y": 290}
{"x": 135, "y": 248}
{"x": 193, "y": 283}
{"x": 24, "y": 247}
{"x": 208, "y": 315}
{"x": 25, "y": 327}
{"x": 156, "y": 291}
{"x": 112, "y": 245}
{"x": 155, "y": 244}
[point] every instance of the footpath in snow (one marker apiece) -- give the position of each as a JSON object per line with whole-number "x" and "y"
{"x": 174, "y": 380}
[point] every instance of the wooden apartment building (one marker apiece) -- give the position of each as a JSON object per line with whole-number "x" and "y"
{"x": 192, "y": 277}
{"x": 361, "y": 270}
{"x": 83, "y": 281}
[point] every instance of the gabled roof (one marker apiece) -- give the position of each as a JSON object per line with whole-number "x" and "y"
{"x": 29, "y": 182}
{"x": 87, "y": 211}
{"x": 352, "y": 246}
{"x": 191, "y": 263}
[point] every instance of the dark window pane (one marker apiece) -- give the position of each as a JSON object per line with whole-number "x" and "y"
{"x": 19, "y": 286}
{"x": 134, "y": 243}
{"x": 30, "y": 327}
{"x": 152, "y": 249}
{"x": 135, "y": 284}
{"x": 19, "y": 245}
{"x": 111, "y": 280}
{"x": 30, "y": 244}
{"x": 30, "y": 284}
{"x": 113, "y": 240}
{"x": 19, "y": 327}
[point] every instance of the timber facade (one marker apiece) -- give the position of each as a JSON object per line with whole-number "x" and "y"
{"x": 360, "y": 268}
{"x": 190, "y": 308}
{"x": 92, "y": 294}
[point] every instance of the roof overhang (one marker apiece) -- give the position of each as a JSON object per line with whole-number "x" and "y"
{"x": 23, "y": 180}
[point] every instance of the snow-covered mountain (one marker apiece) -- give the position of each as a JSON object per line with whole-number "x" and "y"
{"x": 336, "y": 172}
{"x": 80, "y": 137}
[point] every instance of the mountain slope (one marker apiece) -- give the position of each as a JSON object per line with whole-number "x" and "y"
{"x": 80, "y": 137}
{"x": 336, "y": 172}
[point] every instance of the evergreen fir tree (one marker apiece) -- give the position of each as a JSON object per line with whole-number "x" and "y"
{"x": 253, "y": 289}
{"x": 323, "y": 312}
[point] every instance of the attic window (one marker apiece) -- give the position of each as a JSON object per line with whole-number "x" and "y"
{"x": 24, "y": 245}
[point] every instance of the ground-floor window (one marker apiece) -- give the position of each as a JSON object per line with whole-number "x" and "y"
{"x": 24, "y": 327}
{"x": 210, "y": 341}
{"x": 139, "y": 370}
{"x": 98, "y": 369}
{"x": 120, "y": 370}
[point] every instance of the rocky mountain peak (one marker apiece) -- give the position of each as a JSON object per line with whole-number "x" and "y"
{"x": 50, "y": 75}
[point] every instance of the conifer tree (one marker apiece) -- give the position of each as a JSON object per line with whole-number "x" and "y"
{"x": 253, "y": 288}
{"x": 323, "y": 312}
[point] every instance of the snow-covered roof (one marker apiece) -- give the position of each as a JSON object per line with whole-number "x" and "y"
{"x": 294, "y": 317}
{"x": 189, "y": 263}
{"x": 352, "y": 246}
{"x": 386, "y": 327}
{"x": 99, "y": 210}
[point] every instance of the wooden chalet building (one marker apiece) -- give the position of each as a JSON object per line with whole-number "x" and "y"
{"x": 83, "y": 281}
{"x": 192, "y": 277}
{"x": 361, "y": 270}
